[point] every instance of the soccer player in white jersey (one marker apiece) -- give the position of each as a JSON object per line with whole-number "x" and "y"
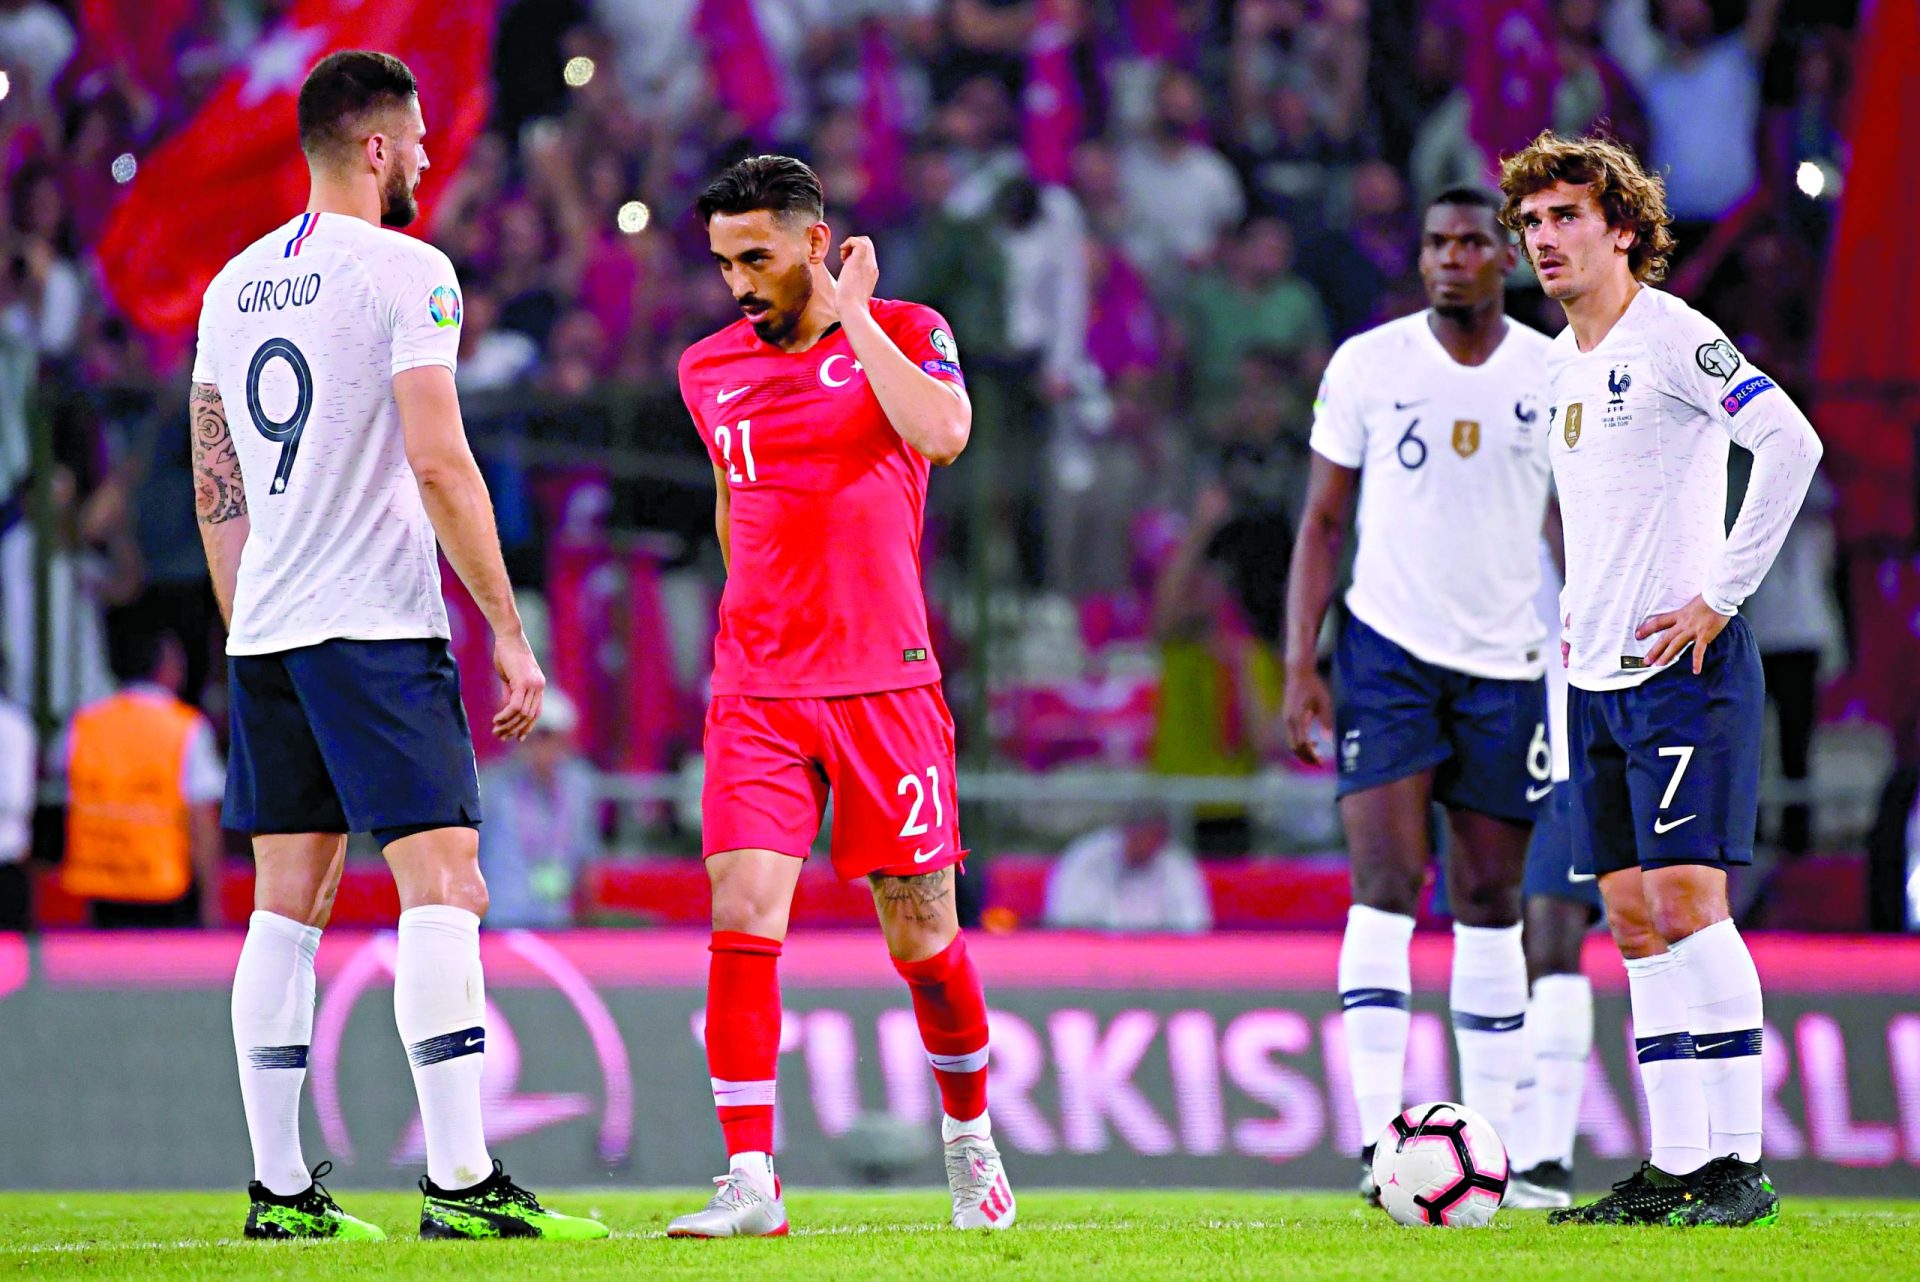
{"x": 1439, "y": 420}
{"x": 1562, "y": 905}
{"x": 328, "y": 453}
{"x": 1664, "y": 710}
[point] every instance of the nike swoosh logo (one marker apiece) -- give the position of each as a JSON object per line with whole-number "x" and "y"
{"x": 1580, "y": 876}
{"x": 475, "y": 1041}
{"x": 1407, "y": 405}
{"x": 1662, "y": 827}
{"x": 919, "y": 858}
{"x": 1698, "y": 1047}
{"x": 724, "y": 397}
{"x": 1534, "y": 794}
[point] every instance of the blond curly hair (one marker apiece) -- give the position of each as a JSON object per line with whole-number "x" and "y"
{"x": 1627, "y": 194}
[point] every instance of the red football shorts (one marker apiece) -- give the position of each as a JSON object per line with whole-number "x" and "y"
{"x": 887, "y": 759}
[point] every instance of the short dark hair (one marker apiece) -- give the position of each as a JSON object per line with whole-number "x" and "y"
{"x": 1466, "y": 194}
{"x": 341, "y": 89}
{"x": 134, "y": 654}
{"x": 777, "y": 183}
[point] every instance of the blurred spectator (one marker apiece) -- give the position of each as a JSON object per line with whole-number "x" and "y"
{"x": 1099, "y": 476}
{"x": 576, "y": 354}
{"x": 946, "y": 263}
{"x": 977, "y": 126}
{"x": 1592, "y": 92}
{"x": 36, "y": 37}
{"x": 1043, "y": 240}
{"x": 81, "y": 582}
{"x": 18, "y": 365}
{"x": 1366, "y": 272}
{"x": 1702, "y": 92}
{"x": 1124, "y": 336}
{"x": 491, "y": 359}
{"x": 19, "y": 780}
{"x": 1129, "y": 877}
{"x": 1181, "y": 194}
{"x": 44, "y": 286}
{"x": 1254, "y": 300}
{"x": 541, "y": 826}
{"x": 1261, "y": 462}
{"x": 144, "y": 786}
{"x": 1219, "y": 684}
{"x": 1317, "y": 59}
{"x": 177, "y": 595}
{"x": 1796, "y": 627}
{"x": 527, "y": 271}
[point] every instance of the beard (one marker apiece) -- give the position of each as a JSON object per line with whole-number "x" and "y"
{"x": 780, "y": 322}
{"x": 397, "y": 205}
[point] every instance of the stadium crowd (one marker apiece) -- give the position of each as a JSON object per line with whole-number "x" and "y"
{"x": 1148, "y": 221}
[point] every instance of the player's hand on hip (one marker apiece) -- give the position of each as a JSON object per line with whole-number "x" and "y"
{"x": 1696, "y": 622}
{"x": 859, "y": 272}
{"x": 1307, "y": 711}
{"x": 525, "y": 683}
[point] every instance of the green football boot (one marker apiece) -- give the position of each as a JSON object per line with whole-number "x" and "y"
{"x": 1732, "y": 1194}
{"x": 312, "y": 1214}
{"x": 497, "y": 1207}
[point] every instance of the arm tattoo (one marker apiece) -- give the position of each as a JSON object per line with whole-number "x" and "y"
{"x": 914, "y": 899}
{"x": 218, "y": 495}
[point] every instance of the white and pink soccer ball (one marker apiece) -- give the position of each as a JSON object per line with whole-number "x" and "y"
{"x": 1440, "y": 1165}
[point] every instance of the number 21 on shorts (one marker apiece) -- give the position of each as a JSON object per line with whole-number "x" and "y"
{"x": 915, "y": 825}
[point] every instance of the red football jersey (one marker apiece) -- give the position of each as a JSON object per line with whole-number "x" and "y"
{"x": 825, "y": 504}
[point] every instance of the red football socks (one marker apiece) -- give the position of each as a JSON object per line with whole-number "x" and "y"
{"x": 952, "y": 1012}
{"x": 743, "y": 1036}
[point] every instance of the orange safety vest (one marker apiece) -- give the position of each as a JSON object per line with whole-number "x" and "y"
{"x": 128, "y": 825}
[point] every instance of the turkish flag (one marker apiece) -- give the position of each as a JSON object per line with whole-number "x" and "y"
{"x": 234, "y": 172}
{"x": 746, "y": 80}
{"x": 1509, "y": 71}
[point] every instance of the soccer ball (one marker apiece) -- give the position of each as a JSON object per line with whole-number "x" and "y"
{"x": 1440, "y": 1165}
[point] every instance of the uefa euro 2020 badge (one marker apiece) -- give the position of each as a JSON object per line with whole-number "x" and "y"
{"x": 443, "y": 305}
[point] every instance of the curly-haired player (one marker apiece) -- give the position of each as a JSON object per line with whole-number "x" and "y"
{"x": 1664, "y": 749}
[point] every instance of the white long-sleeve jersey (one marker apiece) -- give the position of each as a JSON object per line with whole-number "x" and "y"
{"x": 1639, "y": 445}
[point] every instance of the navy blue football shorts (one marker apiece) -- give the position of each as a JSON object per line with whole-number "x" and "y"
{"x": 1668, "y": 771}
{"x": 1395, "y": 715}
{"x": 350, "y": 736}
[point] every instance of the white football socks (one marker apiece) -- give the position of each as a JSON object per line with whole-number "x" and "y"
{"x": 1724, "y": 1014}
{"x": 1676, "y": 1101}
{"x": 1376, "y": 977}
{"x": 952, "y": 1128}
{"x": 272, "y": 1030}
{"x": 758, "y": 1168}
{"x": 1560, "y": 1037}
{"x": 440, "y": 1005}
{"x": 1489, "y": 999}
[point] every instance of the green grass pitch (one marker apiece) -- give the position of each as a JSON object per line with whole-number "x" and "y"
{"x": 1078, "y": 1236}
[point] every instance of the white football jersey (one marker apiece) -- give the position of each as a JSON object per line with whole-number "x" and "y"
{"x": 1641, "y": 426}
{"x": 1453, "y": 489}
{"x": 303, "y": 333}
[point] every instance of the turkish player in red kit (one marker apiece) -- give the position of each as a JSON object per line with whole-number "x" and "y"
{"x": 823, "y": 410}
